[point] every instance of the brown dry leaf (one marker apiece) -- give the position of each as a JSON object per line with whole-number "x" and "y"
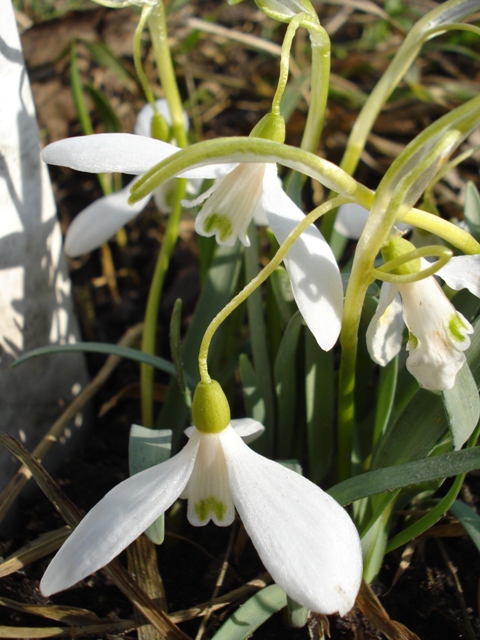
{"x": 22, "y": 633}
{"x": 370, "y": 606}
{"x": 42, "y": 546}
{"x": 69, "y": 615}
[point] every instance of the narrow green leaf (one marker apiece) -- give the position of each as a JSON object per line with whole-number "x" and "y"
{"x": 282, "y": 289}
{"x": 462, "y": 406}
{"x": 405, "y": 475}
{"x": 252, "y": 398}
{"x": 387, "y": 385}
{"x": 285, "y": 376}
{"x": 259, "y": 338}
{"x": 319, "y": 407}
{"x": 77, "y": 92}
{"x": 103, "y": 56}
{"x": 108, "y": 117}
{"x": 107, "y": 349}
{"x": 469, "y": 519}
{"x": 147, "y": 448}
{"x": 175, "y": 348}
{"x": 253, "y": 613}
{"x": 472, "y": 210}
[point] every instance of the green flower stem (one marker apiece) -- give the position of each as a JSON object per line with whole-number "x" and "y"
{"x": 258, "y": 280}
{"x": 449, "y": 232}
{"x": 319, "y": 89}
{"x": 254, "y": 150}
{"x": 320, "y": 76}
{"x": 383, "y": 273}
{"x": 158, "y": 30}
{"x": 151, "y": 313}
{"x": 137, "y": 55}
{"x": 285, "y": 62}
{"x": 418, "y": 34}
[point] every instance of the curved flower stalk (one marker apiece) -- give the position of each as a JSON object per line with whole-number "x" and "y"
{"x": 305, "y": 539}
{"x": 245, "y": 191}
{"x": 438, "y": 333}
{"x": 98, "y": 222}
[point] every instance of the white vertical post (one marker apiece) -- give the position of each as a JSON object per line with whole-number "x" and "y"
{"x": 35, "y": 302}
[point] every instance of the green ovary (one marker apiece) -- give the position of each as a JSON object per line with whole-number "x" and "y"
{"x": 210, "y": 505}
{"x": 218, "y": 221}
{"x": 457, "y": 328}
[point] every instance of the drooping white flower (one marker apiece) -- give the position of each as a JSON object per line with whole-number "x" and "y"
{"x": 438, "y": 333}
{"x": 305, "y": 539}
{"x": 98, "y": 222}
{"x": 243, "y": 191}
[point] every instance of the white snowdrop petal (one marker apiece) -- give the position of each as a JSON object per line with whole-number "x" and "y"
{"x": 311, "y": 265}
{"x": 100, "y": 221}
{"x": 462, "y": 272}
{"x": 305, "y": 539}
{"x": 207, "y": 490}
{"x": 118, "y": 519}
{"x": 385, "y": 331}
{"x": 248, "y": 429}
{"x": 350, "y": 220}
{"x": 108, "y": 153}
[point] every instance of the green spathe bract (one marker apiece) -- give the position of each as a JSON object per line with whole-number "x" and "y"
{"x": 397, "y": 247}
{"x": 270, "y": 127}
{"x": 210, "y": 408}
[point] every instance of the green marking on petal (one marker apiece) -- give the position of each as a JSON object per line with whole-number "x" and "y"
{"x": 412, "y": 341}
{"x": 210, "y": 505}
{"x": 218, "y": 221}
{"x": 457, "y": 328}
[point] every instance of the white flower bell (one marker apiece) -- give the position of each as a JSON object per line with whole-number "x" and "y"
{"x": 438, "y": 333}
{"x": 305, "y": 539}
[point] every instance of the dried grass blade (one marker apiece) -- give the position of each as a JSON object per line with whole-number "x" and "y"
{"x": 42, "y": 546}
{"x": 72, "y": 515}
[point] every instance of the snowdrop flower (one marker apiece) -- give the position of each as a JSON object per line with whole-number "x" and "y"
{"x": 438, "y": 333}
{"x": 243, "y": 191}
{"x": 305, "y": 539}
{"x": 98, "y": 222}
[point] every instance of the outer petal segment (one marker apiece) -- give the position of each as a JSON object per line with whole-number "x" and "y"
{"x": 305, "y": 539}
{"x": 385, "y": 331}
{"x": 108, "y": 153}
{"x": 462, "y": 272}
{"x": 100, "y": 221}
{"x": 311, "y": 265}
{"x": 123, "y": 514}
